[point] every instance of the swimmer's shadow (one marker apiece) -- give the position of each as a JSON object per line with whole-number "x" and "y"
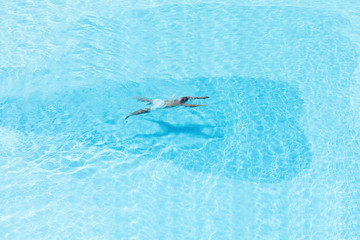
{"x": 189, "y": 129}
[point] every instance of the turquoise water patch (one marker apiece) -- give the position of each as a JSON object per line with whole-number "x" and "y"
{"x": 266, "y": 125}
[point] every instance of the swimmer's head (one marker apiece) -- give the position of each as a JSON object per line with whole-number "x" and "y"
{"x": 184, "y": 99}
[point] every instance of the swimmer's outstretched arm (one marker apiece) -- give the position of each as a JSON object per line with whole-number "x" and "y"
{"x": 193, "y": 105}
{"x": 200, "y": 97}
{"x": 140, "y": 111}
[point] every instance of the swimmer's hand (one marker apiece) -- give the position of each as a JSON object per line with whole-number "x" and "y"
{"x": 201, "y": 97}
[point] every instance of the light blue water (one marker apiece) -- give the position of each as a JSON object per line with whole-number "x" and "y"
{"x": 275, "y": 155}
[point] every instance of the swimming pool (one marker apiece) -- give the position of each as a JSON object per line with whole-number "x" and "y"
{"x": 274, "y": 155}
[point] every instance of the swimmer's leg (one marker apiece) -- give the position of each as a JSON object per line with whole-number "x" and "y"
{"x": 143, "y": 99}
{"x": 140, "y": 111}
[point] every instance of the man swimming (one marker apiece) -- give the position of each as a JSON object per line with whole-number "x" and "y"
{"x": 158, "y": 103}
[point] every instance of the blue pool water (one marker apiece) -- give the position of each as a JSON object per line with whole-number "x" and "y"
{"x": 274, "y": 155}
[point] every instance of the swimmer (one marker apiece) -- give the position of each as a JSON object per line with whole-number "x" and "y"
{"x": 158, "y": 103}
